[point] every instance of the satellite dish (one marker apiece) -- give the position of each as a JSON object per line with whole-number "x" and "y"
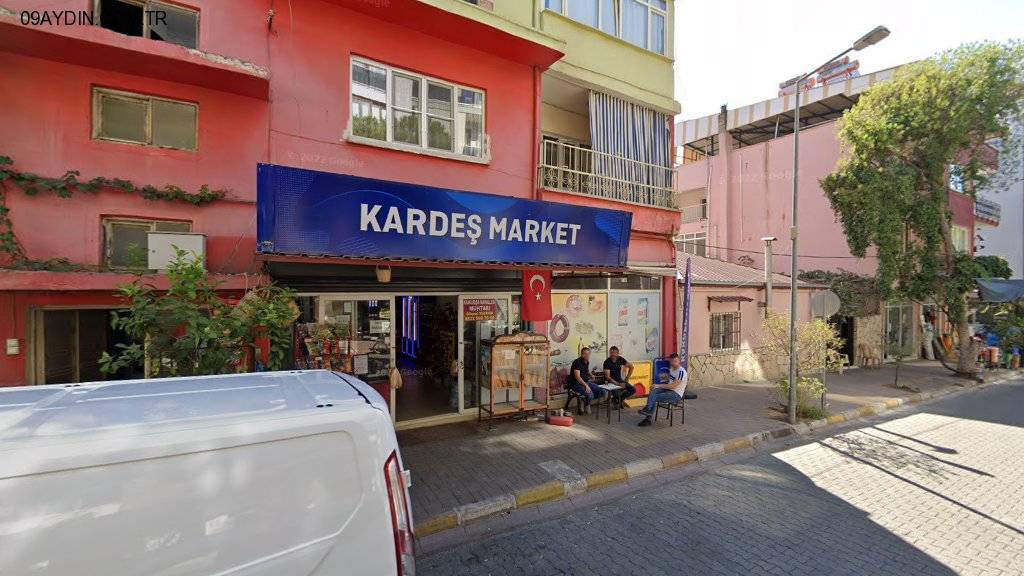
{"x": 824, "y": 304}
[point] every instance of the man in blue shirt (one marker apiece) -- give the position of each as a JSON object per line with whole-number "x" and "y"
{"x": 671, "y": 391}
{"x": 579, "y": 380}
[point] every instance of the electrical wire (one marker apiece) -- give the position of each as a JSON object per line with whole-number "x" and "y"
{"x": 849, "y": 257}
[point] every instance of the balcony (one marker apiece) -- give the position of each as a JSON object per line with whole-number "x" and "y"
{"x": 576, "y": 169}
{"x": 694, "y": 213}
{"x": 987, "y": 211}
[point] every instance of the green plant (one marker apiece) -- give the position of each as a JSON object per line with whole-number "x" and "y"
{"x": 189, "y": 330}
{"x": 859, "y": 295}
{"x": 891, "y": 190}
{"x": 11, "y": 251}
{"x": 817, "y": 343}
{"x": 808, "y": 395}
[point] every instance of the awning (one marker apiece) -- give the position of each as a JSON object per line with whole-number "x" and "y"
{"x": 736, "y": 299}
{"x": 1001, "y": 290}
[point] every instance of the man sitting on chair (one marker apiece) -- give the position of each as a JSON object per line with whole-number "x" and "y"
{"x": 579, "y": 380}
{"x": 671, "y": 391}
{"x": 613, "y": 373}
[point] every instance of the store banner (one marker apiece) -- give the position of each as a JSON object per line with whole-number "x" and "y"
{"x": 305, "y": 212}
{"x": 536, "y": 295}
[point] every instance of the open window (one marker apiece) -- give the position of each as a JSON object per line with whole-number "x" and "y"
{"x": 150, "y": 19}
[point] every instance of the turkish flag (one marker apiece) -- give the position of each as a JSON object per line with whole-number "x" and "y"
{"x": 536, "y": 295}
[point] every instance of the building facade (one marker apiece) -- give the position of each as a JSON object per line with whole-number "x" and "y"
{"x": 735, "y": 188}
{"x": 311, "y": 113}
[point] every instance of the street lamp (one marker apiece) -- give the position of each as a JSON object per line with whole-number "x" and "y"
{"x": 873, "y": 37}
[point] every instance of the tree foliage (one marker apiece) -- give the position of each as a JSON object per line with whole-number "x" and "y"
{"x": 890, "y": 190}
{"x": 190, "y": 330}
{"x": 858, "y": 294}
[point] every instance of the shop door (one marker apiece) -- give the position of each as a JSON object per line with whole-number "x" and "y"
{"x": 482, "y": 317}
{"x": 361, "y": 329}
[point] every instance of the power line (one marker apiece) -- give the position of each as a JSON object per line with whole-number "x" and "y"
{"x": 693, "y": 243}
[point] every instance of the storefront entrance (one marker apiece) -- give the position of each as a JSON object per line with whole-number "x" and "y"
{"x": 433, "y": 339}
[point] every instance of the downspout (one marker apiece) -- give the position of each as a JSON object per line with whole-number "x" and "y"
{"x": 535, "y": 154}
{"x": 724, "y": 150}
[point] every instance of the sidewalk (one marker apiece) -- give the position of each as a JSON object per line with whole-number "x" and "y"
{"x": 467, "y": 464}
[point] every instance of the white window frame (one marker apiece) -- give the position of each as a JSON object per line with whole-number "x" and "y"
{"x": 689, "y": 243}
{"x": 108, "y": 235}
{"x": 146, "y": 5}
{"x": 563, "y": 9}
{"x": 422, "y": 147}
{"x": 961, "y": 238}
{"x": 97, "y": 117}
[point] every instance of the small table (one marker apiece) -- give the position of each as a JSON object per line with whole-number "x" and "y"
{"x": 613, "y": 392}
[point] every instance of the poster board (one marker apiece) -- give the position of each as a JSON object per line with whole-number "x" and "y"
{"x": 634, "y": 324}
{"x": 578, "y": 319}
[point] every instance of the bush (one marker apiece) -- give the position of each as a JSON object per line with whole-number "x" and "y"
{"x": 808, "y": 396}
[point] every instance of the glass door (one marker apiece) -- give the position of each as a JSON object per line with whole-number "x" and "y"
{"x": 355, "y": 332}
{"x": 481, "y": 317}
{"x": 899, "y": 330}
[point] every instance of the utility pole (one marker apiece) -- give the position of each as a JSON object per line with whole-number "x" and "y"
{"x": 768, "y": 273}
{"x": 875, "y": 36}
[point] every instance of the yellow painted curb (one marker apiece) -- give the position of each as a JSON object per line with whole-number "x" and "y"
{"x": 892, "y": 403}
{"x": 836, "y": 419}
{"x": 735, "y": 444}
{"x": 438, "y": 523}
{"x": 867, "y": 411}
{"x": 679, "y": 459}
{"x": 605, "y": 477}
{"x": 548, "y": 491}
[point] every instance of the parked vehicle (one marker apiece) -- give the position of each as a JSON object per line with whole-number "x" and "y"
{"x": 269, "y": 474}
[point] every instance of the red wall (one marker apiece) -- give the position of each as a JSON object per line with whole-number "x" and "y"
{"x": 961, "y": 208}
{"x": 310, "y": 56}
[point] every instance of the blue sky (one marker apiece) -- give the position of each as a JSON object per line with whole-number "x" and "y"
{"x": 737, "y": 51}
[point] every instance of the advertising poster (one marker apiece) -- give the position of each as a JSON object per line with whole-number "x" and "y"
{"x": 578, "y": 320}
{"x": 636, "y": 330}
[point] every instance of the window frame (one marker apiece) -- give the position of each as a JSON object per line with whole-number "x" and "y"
{"x": 458, "y": 144}
{"x": 735, "y": 334}
{"x": 145, "y": 5}
{"x": 958, "y": 232}
{"x": 689, "y": 242}
{"x": 563, "y": 10}
{"x": 108, "y": 234}
{"x": 98, "y": 93}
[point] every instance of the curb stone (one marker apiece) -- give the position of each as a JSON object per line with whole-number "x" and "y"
{"x": 559, "y": 490}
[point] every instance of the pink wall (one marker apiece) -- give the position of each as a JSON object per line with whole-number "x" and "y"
{"x": 751, "y": 315}
{"x": 761, "y": 187}
{"x": 961, "y": 207}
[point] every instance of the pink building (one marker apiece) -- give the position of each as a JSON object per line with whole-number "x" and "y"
{"x": 735, "y": 186}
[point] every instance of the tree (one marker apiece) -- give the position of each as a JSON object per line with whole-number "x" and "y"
{"x": 817, "y": 349}
{"x": 993, "y": 267}
{"x": 190, "y": 330}
{"x": 901, "y": 140}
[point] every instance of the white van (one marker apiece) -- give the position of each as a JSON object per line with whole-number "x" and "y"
{"x": 269, "y": 474}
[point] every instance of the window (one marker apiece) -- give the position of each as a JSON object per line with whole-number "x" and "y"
{"x": 725, "y": 330}
{"x": 126, "y": 242}
{"x": 960, "y": 236}
{"x": 150, "y": 19}
{"x": 956, "y": 178}
{"x": 695, "y": 244}
{"x": 411, "y": 110}
{"x": 640, "y": 22}
{"x": 140, "y": 119}
{"x": 67, "y": 345}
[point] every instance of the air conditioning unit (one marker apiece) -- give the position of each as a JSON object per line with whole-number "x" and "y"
{"x": 163, "y": 245}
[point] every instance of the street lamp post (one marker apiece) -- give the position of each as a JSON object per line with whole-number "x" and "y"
{"x": 875, "y": 36}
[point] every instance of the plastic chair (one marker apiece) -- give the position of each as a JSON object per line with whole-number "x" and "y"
{"x": 671, "y": 408}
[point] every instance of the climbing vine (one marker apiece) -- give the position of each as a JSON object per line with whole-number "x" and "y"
{"x": 64, "y": 187}
{"x": 859, "y": 295}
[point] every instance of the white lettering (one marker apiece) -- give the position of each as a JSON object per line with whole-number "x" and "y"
{"x": 560, "y": 237}
{"x": 545, "y": 233}
{"x": 369, "y": 217}
{"x": 498, "y": 227}
{"x": 575, "y": 228}
{"x": 438, "y": 223}
{"x": 474, "y": 228}
{"x": 532, "y": 227}
{"x": 458, "y": 225}
{"x": 514, "y": 231}
{"x": 416, "y": 219}
{"x": 394, "y": 221}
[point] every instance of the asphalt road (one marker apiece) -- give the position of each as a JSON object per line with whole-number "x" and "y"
{"x": 935, "y": 490}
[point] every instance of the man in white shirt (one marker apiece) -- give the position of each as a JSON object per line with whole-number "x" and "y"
{"x": 671, "y": 391}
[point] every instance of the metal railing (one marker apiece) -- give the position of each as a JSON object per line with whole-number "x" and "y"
{"x": 987, "y": 209}
{"x": 570, "y": 168}
{"x": 694, "y": 213}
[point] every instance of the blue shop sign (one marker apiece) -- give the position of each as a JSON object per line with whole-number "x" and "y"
{"x": 305, "y": 212}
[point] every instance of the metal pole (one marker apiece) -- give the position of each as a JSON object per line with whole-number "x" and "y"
{"x": 768, "y": 272}
{"x": 791, "y": 404}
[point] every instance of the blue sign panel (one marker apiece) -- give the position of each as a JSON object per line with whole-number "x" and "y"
{"x": 305, "y": 212}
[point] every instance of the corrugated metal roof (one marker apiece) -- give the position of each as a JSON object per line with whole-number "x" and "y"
{"x": 711, "y": 272}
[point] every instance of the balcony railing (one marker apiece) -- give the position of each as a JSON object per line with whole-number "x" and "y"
{"x": 987, "y": 210}
{"x": 569, "y": 168}
{"x": 694, "y": 213}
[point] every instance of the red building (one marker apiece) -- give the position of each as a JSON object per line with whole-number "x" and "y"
{"x": 199, "y": 93}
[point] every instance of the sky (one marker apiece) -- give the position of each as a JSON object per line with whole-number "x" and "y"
{"x": 736, "y": 52}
